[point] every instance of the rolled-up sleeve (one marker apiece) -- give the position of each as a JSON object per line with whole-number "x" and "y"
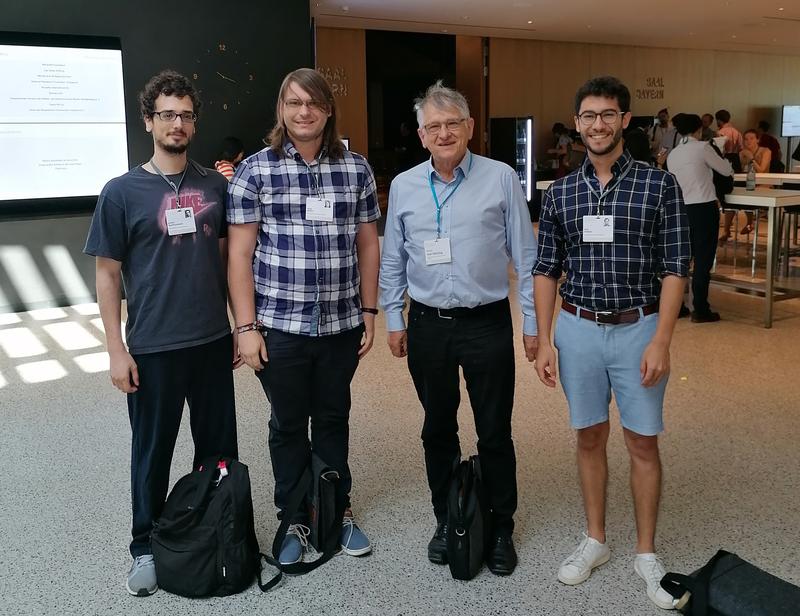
{"x": 673, "y": 241}
{"x": 551, "y": 250}
{"x": 393, "y": 280}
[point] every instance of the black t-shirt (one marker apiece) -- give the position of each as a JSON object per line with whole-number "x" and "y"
{"x": 175, "y": 285}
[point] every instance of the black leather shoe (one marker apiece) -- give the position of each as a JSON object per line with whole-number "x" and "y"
{"x": 437, "y": 548}
{"x": 502, "y": 558}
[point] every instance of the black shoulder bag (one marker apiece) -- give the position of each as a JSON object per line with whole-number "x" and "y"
{"x": 467, "y": 520}
{"x": 730, "y": 586}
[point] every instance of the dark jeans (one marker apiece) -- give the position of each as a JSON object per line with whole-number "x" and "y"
{"x": 308, "y": 377}
{"x": 703, "y": 230}
{"x": 482, "y": 346}
{"x": 203, "y": 377}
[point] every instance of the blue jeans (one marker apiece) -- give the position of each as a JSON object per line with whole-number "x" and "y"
{"x": 596, "y": 360}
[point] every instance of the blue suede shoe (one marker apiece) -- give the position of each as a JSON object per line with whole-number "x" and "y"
{"x": 354, "y": 541}
{"x": 295, "y": 544}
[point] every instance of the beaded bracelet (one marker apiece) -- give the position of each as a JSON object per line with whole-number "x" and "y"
{"x": 254, "y": 326}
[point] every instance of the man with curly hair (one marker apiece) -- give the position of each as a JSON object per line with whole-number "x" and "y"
{"x": 160, "y": 230}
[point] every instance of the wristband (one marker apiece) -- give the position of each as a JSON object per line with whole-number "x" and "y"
{"x": 370, "y": 310}
{"x": 254, "y": 326}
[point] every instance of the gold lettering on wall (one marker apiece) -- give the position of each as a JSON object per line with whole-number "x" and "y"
{"x": 336, "y": 76}
{"x": 653, "y": 90}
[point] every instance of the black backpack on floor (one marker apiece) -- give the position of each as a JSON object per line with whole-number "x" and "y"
{"x": 467, "y": 520}
{"x": 205, "y": 543}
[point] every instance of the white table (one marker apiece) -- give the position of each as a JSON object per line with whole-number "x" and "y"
{"x": 776, "y": 179}
{"x": 774, "y": 201}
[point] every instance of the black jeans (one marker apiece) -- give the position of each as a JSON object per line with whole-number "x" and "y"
{"x": 703, "y": 230}
{"x": 203, "y": 377}
{"x": 308, "y": 377}
{"x": 482, "y": 346}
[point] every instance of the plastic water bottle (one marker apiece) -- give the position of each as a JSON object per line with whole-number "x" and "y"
{"x": 750, "y": 184}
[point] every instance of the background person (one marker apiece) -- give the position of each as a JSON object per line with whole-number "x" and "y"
{"x": 693, "y": 163}
{"x": 231, "y": 154}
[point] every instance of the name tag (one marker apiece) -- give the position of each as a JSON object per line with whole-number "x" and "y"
{"x": 437, "y": 251}
{"x": 319, "y": 209}
{"x": 180, "y": 221}
{"x": 598, "y": 228}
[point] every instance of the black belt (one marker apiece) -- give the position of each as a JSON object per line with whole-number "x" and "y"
{"x": 460, "y": 313}
{"x": 608, "y": 317}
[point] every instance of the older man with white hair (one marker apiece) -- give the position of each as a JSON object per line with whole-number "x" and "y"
{"x": 454, "y": 224}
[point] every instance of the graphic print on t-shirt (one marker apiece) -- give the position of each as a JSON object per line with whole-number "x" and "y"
{"x": 195, "y": 199}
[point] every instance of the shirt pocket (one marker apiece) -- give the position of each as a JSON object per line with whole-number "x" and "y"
{"x": 283, "y": 204}
{"x": 345, "y": 202}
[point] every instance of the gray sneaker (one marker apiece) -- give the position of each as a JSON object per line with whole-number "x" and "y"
{"x": 142, "y": 576}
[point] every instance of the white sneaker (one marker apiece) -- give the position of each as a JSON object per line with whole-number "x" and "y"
{"x": 650, "y": 568}
{"x": 578, "y": 566}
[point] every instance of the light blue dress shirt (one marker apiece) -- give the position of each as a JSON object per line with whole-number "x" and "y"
{"x": 488, "y": 224}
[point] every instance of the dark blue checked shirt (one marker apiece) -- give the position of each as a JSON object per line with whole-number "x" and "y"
{"x": 651, "y": 235}
{"x": 306, "y": 272}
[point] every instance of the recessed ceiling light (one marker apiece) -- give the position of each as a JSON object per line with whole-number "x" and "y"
{"x": 465, "y": 17}
{"x": 733, "y": 36}
{"x": 780, "y": 9}
{"x": 345, "y": 8}
{"x": 444, "y": 30}
{"x": 530, "y": 21}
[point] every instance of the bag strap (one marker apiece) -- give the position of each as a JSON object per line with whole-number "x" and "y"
{"x": 296, "y": 499}
{"x": 275, "y": 579}
{"x": 203, "y": 487}
{"x": 677, "y": 584}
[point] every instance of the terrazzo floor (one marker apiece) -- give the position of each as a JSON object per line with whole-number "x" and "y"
{"x": 730, "y": 453}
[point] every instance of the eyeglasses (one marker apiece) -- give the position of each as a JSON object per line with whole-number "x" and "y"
{"x": 169, "y": 115}
{"x": 295, "y": 104}
{"x": 609, "y": 116}
{"x": 452, "y": 126}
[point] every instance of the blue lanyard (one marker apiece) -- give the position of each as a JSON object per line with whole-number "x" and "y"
{"x": 439, "y": 206}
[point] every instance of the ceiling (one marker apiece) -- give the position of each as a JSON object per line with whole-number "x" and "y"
{"x": 760, "y": 26}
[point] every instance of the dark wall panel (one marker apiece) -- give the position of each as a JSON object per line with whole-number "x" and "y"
{"x": 238, "y": 51}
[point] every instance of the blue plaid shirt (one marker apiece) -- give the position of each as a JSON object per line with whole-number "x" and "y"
{"x": 651, "y": 235}
{"x": 306, "y": 272}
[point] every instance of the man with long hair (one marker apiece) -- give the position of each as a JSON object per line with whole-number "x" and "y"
{"x": 304, "y": 282}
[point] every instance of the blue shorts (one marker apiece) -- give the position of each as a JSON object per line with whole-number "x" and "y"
{"x": 594, "y": 360}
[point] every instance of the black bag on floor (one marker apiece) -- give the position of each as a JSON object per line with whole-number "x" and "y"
{"x": 467, "y": 520}
{"x": 730, "y": 586}
{"x": 317, "y": 491}
{"x": 205, "y": 542}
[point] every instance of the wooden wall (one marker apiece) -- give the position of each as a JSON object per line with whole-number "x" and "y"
{"x": 342, "y": 59}
{"x": 471, "y": 83}
{"x": 540, "y": 78}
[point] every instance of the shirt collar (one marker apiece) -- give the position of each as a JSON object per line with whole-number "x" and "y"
{"x": 619, "y": 166}
{"x": 292, "y": 152}
{"x": 464, "y": 166}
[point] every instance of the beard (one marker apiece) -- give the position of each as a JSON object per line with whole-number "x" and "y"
{"x": 616, "y": 137}
{"x": 174, "y": 148}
